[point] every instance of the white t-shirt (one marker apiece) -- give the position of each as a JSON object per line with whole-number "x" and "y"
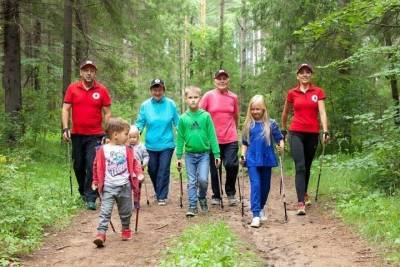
{"x": 116, "y": 165}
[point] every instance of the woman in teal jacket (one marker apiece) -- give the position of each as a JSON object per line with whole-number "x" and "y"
{"x": 159, "y": 116}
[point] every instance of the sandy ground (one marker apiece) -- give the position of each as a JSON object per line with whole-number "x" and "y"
{"x": 316, "y": 239}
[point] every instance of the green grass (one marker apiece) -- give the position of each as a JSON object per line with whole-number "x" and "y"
{"x": 208, "y": 244}
{"x": 374, "y": 214}
{"x": 35, "y": 195}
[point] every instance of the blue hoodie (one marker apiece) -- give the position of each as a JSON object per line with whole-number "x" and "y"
{"x": 158, "y": 117}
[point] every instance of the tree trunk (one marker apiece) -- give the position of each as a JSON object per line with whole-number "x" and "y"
{"x": 12, "y": 63}
{"x": 67, "y": 44}
{"x": 37, "y": 42}
{"x": 221, "y": 33}
{"x": 387, "y": 36}
{"x": 81, "y": 42}
{"x": 242, "y": 37}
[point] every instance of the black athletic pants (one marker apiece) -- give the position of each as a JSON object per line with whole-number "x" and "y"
{"x": 230, "y": 161}
{"x": 83, "y": 153}
{"x": 303, "y": 147}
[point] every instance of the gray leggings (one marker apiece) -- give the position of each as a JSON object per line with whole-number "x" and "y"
{"x": 303, "y": 147}
{"x": 123, "y": 196}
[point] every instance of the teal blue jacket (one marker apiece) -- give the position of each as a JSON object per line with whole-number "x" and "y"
{"x": 159, "y": 118}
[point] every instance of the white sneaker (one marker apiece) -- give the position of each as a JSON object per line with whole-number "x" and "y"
{"x": 263, "y": 216}
{"x": 255, "y": 222}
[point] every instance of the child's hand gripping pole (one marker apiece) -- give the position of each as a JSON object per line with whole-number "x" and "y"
{"x": 180, "y": 180}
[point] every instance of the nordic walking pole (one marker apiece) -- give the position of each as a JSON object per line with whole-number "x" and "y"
{"x": 220, "y": 179}
{"x": 101, "y": 201}
{"x": 283, "y": 186}
{"x": 145, "y": 186}
{"x": 137, "y": 209}
{"x": 181, "y": 185}
{"x": 240, "y": 192}
{"x": 320, "y": 169}
{"x": 70, "y": 165}
{"x": 219, "y": 173}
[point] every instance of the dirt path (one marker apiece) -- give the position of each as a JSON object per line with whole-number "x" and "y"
{"x": 311, "y": 240}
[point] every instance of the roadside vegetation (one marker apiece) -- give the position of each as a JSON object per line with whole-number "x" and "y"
{"x": 208, "y": 244}
{"x": 35, "y": 196}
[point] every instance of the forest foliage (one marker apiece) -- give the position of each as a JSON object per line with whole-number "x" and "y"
{"x": 352, "y": 44}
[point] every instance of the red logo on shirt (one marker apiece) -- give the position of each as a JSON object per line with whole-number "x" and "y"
{"x": 96, "y": 96}
{"x": 314, "y": 98}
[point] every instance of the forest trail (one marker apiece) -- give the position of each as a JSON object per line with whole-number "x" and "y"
{"x": 312, "y": 240}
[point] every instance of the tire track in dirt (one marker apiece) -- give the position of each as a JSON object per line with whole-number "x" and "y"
{"x": 312, "y": 240}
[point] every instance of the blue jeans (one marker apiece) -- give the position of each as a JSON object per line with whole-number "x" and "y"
{"x": 197, "y": 166}
{"x": 260, "y": 182}
{"x": 159, "y": 171}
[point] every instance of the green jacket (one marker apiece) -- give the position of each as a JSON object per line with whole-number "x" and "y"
{"x": 196, "y": 133}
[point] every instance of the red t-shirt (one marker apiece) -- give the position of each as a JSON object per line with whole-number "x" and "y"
{"x": 305, "y": 108}
{"x": 87, "y": 107}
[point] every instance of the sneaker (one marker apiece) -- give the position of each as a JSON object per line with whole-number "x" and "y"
{"x": 91, "y": 205}
{"x": 301, "y": 209}
{"x": 263, "y": 216}
{"x": 232, "y": 201}
{"x": 126, "y": 234}
{"x": 307, "y": 200}
{"x": 191, "y": 212}
{"x": 203, "y": 204}
{"x": 162, "y": 202}
{"x": 215, "y": 201}
{"x": 255, "y": 222}
{"x": 100, "y": 239}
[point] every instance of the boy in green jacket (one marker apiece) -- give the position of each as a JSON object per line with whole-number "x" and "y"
{"x": 196, "y": 133}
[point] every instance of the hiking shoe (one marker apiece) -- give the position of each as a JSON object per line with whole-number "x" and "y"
{"x": 191, "y": 212}
{"x": 232, "y": 201}
{"x": 307, "y": 200}
{"x": 100, "y": 239}
{"x": 126, "y": 234}
{"x": 215, "y": 201}
{"x": 255, "y": 223}
{"x": 91, "y": 205}
{"x": 162, "y": 202}
{"x": 263, "y": 216}
{"x": 301, "y": 209}
{"x": 203, "y": 204}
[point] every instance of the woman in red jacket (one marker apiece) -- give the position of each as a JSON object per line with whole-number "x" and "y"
{"x": 307, "y": 101}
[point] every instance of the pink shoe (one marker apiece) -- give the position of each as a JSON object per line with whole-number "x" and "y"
{"x": 100, "y": 239}
{"x": 126, "y": 234}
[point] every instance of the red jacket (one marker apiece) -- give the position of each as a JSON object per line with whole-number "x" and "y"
{"x": 134, "y": 169}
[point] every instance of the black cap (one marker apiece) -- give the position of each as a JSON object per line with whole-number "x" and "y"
{"x": 220, "y": 72}
{"x": 304, "y": 65}
{"x": 88, "y": 63}
{"x": 156, "y": 82}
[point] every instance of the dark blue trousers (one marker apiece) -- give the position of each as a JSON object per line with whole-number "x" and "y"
{"x": 159, "y": 171}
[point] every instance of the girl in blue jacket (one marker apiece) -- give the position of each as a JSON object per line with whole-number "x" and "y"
{"x": 258, "y": 154}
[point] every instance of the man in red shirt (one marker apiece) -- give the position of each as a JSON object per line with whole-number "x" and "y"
{"x": 90, "y": 103}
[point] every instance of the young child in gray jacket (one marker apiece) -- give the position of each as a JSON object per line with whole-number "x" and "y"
{"x": 141, "y": 153}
